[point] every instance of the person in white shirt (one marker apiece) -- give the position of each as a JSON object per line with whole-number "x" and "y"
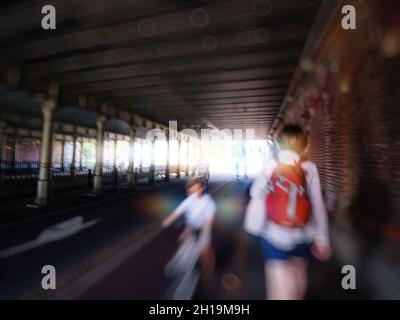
{"x": 199, "y": 210}
{"x": 286, "y": 248}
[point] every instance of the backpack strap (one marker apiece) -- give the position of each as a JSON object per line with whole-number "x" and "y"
{"x": 299, "y": 171}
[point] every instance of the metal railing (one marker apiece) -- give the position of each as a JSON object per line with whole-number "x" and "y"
{"x": 17, "y": 186}
{"x": 19, "y": 179}
{"x": 19, "y": 167}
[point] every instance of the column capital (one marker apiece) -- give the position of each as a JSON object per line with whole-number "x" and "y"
{"x": 49, "y": 106}
{"x": 166, "y": 131}
{"x": 101, "y": 121}
{"x": 133, "y": 130}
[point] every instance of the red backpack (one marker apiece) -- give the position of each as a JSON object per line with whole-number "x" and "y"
{"x": 287, "y": 202}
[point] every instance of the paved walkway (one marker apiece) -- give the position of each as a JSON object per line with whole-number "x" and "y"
{"x": 118, "y": 251}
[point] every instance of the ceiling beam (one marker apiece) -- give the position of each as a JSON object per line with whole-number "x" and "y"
{"x": 176, "y": 62}
{"x": 158, "y": 26}
{"x": 156, "y": 81}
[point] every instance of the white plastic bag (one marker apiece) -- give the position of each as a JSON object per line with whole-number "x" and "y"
{"x": 255, "y": 216}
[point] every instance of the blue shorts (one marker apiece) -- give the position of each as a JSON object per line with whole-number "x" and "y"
{"x": 271, "y": 252}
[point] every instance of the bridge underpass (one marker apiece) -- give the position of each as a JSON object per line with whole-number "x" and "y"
{"x": 101, "y": 122}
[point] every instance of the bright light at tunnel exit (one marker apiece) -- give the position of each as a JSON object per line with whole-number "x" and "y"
{"x": 232, "y": 157}
{"x": 228, "y": 157}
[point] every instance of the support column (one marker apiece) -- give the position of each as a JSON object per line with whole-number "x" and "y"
{"x": 152, "y": 178}
{"x": 2, "y": 129}
{"x": 141, "y": 156}
{"x": 245, "y": 159}
{"x": 178, "y": 174}
{"x": 16, "y": 149}
{"x": 43, "y": 188}
{"x": 72, "y": 168}
{"x": 2, "y": 141}
{"x": 62, "y": 153}
{"x": 14, "y": 152}
{"x": 115, "y": 154}
{"x": 115, "y": 169}
{"x": 197, "y": 157}
{"x": 98, "y": 171}
{"x": 187, "y": 157}
{"x": 80, "y": 154}
{"x": 131, "y": 167}
{"x": 167, "y": 165}
{"x": 200, "y": 151}
{"x": 199, "y": 147}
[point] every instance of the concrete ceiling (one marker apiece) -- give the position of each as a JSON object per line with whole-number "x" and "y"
{"x": 228, "y": 63}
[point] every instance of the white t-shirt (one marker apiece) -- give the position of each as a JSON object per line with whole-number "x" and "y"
{"x": 287, "y": 238}
{"x": 198, "y": 210}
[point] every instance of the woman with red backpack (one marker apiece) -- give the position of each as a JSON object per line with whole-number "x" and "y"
{"x": 287, "y": 211}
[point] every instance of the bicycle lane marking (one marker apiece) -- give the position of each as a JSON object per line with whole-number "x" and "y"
{"x": 79, "y": 286}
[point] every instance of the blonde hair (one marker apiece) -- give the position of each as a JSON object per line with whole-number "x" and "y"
{"x": 292, "y": 137}
{"x": 193, "y": 181}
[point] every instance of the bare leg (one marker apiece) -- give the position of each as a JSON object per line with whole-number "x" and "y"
{"x": 299, "y": 266}
{"x": 280, "y": 280}
{"x": 185, "y": 233}
{"x": 207, "y": 258}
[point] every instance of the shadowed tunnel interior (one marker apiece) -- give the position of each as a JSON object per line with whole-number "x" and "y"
{"x": 102, "y": 122}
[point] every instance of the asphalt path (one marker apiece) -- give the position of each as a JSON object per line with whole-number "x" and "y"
{"x": 68, "y": 239}
{"x": 117, "y": 250}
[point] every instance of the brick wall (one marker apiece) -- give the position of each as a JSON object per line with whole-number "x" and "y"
{"x": 349, "y": 103}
